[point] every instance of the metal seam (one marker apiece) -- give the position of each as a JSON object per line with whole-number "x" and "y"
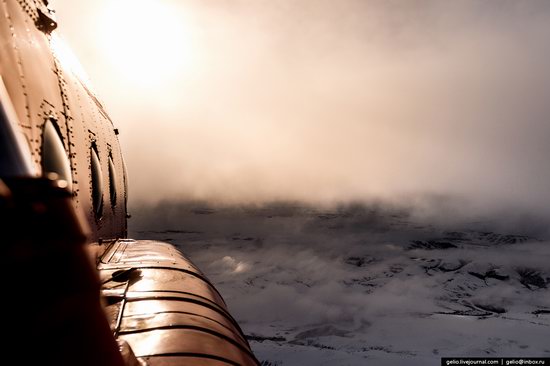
{"x": 193, "y": 314}
{"x": 192, "y": 327}
{"x": 195, "y": 355}
{"x": 19, "y": 61}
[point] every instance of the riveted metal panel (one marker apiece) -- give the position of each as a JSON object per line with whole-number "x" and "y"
{"x": 42, "y": 86}
{"x": 163, "y": 306}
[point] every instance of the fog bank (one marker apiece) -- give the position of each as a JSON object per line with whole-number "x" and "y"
{"x": 326, "y": 101}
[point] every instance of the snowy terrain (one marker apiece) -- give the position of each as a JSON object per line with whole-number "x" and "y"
{"x": 358, "y": 285}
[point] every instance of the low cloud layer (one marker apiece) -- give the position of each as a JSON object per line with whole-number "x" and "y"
{"x": 341, "y": 285}
{"x": 327, "y": 101}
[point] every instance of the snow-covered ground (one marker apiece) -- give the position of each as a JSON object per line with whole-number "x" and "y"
{"x": 360, "y": 285}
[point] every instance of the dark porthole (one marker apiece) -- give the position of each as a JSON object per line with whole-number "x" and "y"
{"x": 112, "y": 181}
{"x": 54, "y": 156}
{"x": 97, "y": 182}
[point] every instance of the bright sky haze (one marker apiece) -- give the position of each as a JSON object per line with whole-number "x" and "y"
{"x": 322, "y": 101}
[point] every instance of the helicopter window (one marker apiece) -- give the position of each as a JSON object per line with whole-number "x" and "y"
{"x": 54, "y": 156}
{"x": 97, "y": 182}
{"x": 112, "y": 181}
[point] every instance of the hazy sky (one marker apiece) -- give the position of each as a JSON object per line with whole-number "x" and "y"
{"x": 323, "y": 100}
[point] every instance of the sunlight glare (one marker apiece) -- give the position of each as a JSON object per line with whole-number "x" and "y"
{"x": 65, "y": 54}
{"x": 147, "y": 41}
